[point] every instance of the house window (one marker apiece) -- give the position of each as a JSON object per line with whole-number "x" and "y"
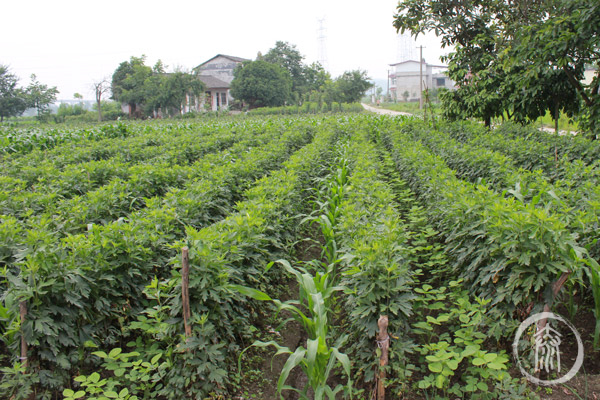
{"x": 223, "y": 99}
{"x": 441, "y": 82}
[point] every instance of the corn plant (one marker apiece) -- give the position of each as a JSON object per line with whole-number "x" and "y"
{"x": 318, "y": 359}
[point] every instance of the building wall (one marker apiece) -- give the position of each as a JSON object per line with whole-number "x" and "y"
{"x": 221, "y": 68}
{"x": 406, "y": 78}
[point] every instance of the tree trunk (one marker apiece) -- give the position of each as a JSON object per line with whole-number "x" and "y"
{"x": 99, "y": 110}
{"x": 556, "y": 116}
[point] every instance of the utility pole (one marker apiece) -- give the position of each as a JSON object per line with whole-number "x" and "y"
{"x": 388, "y": 86}
{"x": 421, "y": 77}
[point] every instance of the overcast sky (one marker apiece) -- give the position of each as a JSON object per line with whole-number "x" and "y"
{"x": 71, "y": 43}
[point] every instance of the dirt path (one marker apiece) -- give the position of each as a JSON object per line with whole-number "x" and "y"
{"x": 382, "y": 111}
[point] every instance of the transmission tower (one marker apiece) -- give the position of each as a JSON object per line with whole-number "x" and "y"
{"x": 406, "y": 48}
{"x": 322, "y": 38}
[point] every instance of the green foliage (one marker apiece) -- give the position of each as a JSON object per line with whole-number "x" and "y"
{"x": 13, "y": 100}
{"x": 309, "y": 108}
{"x": 318, "y": 359}
{"x": 351, "y": 86}
{"x": 260, "y": 84}
{"x": 40, "y": 96}
{"x": 135, "y": 83}
{"x": 508, "y": 250}
{"x": 508, "y": 61}
{"x": 129, "y": 379}
{"x": 452, "y": 330}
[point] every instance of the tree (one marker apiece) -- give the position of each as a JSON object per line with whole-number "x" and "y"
{"x": 260, "y": 84}
{"x": 352, "y": 86}
{"x": 13, "y": 100}
{"x": 101, "y": 87}
{"x": 566, "y": 41}
{"x": 128, "y": 82}
{"x": 289, "y": 58}
{"x": 315, "y": 77}
{"x": 40, "y": 96}
{"x": 511, "y": 54}
{"x": 405, "y": 95}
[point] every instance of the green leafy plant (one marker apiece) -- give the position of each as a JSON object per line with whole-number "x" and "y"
{"x": 318, "y": 359}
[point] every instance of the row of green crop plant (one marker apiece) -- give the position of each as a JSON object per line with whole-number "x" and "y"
{"x": 377, "y": 266}
{"x": 575, "y": 193}
{"x": 46, "y": 187}
{"x": 557, "y": 156}
{"x": 234, "y": 251}
{"x": 378, "y": 256}
{"x": 13, "y": 140}
{"x": 19, "y": 142}
{"x": 219, "y": 181}
{"x": 91, "y": 287}
{"x": 309, "y": 108}
{"x": 507, "y": 250}
{"x": 362, "y": 264}
{"x": 173, "y": 146}
{"x": 318, "y": 285}
{"x": 208, "y": 190}
{"x": 576, "y": 202}
{"x": 574, "y": 189}
{"x": 573, "y": 147}
{"x": 120, "y": 196}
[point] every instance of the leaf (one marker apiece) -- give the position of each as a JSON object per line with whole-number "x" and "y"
{"x": 114, "y": 353}
{"x": 452, "y": 364}
{"x": 155, "y": 359}
{"x": 94, "y": 377}
{"x": 292, "y": 361}
{"x": 435, "y": 367}
{"x": 478, "y": 361}
{"x": 496, "y": 365}
{"x": 100, "y": 354}
{"x": 250, "y": 292}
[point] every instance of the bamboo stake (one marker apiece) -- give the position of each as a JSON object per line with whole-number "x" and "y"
{"x": 23, "y": 312}
{"x": 185, "y": 295}
{"x": 383, "y": 342}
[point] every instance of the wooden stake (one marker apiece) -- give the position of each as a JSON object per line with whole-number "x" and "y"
{"x": 23, "y": 312}
{"x": 185, "y": 295}
{"x": 556, "y": 287}
{"x": 383, "y": 342}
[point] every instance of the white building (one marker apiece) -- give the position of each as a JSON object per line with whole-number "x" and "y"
{"x": 405, "y": 85}
{"x": 217, "y": 74}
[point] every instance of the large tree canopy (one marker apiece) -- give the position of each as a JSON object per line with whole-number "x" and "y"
{"x": 351, "y": 86}
{"x": 260, "y": 84}
{"x": 135, "y": 83}
{"x": 517, "y": 58}
{"x": 40, "y": 96}
{"x": 13, "y": 100}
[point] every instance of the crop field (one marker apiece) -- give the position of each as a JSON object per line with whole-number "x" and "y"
{"x": 300, "y": 233}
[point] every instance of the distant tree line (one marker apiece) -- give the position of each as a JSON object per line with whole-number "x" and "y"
{"x": 515, "y": 59}
{"x": 149, "y": 91}
{"x": 14, "y": 100}
{"x": 280, "y": 77}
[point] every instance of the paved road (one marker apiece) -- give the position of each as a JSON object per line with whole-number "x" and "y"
{"x": 383, "y": 111}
